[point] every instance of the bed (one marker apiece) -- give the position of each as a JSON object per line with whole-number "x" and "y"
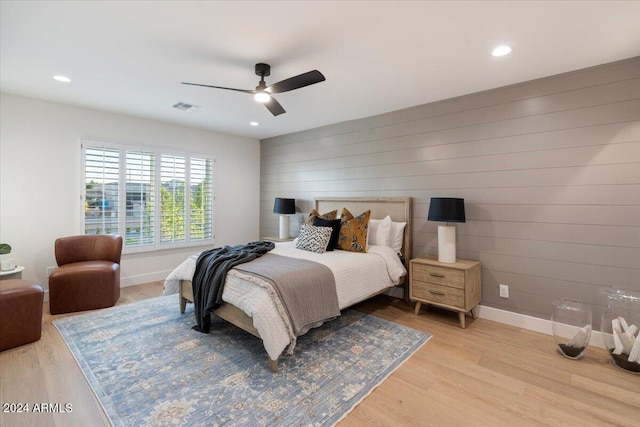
{"x": 250, "y": 304}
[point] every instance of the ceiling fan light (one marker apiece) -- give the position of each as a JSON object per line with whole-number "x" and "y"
{"x": 262, "y": 97}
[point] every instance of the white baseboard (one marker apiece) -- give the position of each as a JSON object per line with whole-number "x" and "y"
{"x": 529, "y": 323}
{"x": 126, "y": 281}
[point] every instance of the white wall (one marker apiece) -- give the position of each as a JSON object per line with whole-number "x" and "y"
{"x": 40, "y": 180}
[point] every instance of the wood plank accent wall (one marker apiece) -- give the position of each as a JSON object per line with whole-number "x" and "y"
{"x": 549, "y": 170}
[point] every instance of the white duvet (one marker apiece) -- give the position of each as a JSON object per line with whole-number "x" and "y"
{"x": 357, "y": 275}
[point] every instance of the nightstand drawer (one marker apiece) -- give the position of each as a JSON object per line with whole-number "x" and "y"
{"x": 431, "y": 292}
{"x": 438, "y": 275}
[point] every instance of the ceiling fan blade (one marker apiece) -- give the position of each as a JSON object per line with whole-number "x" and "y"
{"x": 296, "y": 82}
{"x": 220, "y": 87}
{"x": 274, "y": 107}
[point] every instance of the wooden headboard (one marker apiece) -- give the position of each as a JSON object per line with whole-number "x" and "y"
{"x": 398, "y": 208}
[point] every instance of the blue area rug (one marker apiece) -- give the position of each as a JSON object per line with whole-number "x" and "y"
{"x": 147, "y": 367}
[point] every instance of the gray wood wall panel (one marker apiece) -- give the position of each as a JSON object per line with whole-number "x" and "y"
{"x": 549, "y": 170}
{"x": 440, "y": 133}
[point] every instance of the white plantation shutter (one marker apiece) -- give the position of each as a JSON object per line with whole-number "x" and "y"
{"x": 173, "y": 198}
{"x": 152, "y": 198}
{"x": 200, "y": 199}
{"x": 102, "y": 191}
{"x": 140, "y": 198}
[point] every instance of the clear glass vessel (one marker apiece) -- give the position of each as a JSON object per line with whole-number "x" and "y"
{"x": 572, "y": 322}
{"x": 620, "y": 326}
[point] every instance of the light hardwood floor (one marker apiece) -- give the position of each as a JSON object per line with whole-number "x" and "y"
{"x": 488, "y": 374}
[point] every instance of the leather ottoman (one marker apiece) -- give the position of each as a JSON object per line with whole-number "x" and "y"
{"x": 20, "y": 313}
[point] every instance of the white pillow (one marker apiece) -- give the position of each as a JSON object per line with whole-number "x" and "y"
{"x": 397, "y": 236}
{"x": 379, "y": 232}
{"x": 314, "y": 239}
{"x": 392, "y": 261}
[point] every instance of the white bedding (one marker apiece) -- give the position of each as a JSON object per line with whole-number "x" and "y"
{"x": 357, "y": 276}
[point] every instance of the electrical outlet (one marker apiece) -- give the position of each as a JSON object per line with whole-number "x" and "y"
{"x": 50, "y": 270}
{"x": 504, "y": 291}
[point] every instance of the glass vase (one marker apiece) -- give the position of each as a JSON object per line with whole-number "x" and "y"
{"x": 619, "y": 326}
{"x": 571, "y": 321}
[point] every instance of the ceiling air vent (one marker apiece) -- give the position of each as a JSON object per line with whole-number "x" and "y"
{"x": 184, "y": 106}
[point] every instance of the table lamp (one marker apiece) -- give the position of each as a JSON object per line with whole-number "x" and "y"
{"x": 284, "y": 207}
{"x": 446, "y": 209}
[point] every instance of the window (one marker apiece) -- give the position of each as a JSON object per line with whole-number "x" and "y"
{"x": 102, "y": 172}
{"x": 173, "y": 197}
{"x": 140, "y": 198}
{"x": 154, "y": 198}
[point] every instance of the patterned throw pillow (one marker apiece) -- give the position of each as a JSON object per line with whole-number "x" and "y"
{"x": 313, "y": 239}
{"x": 353, "y": 231}
{"x": 315, "y": 214}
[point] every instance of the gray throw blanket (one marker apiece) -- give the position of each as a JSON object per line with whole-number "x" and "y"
{"x": 211, "y": 272}
{"x": 306, "y": 288}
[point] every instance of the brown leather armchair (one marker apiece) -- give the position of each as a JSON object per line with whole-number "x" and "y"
{"x": 88, "y": 273}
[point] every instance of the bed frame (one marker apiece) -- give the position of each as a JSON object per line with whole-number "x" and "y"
{"x": 398, "y": 208}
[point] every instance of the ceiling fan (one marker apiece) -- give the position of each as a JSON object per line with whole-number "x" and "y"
{"x": 262, "y": 92}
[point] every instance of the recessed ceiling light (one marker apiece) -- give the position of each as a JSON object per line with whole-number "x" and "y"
{"x": 254, "y": 123}
{"x": 62, "y": 79}
{"x": 501, "y": 50}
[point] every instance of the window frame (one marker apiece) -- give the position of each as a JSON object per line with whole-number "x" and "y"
{"x": 158, "y": 152}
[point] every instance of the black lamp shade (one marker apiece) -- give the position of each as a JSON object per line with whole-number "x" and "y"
{"x": 446, "y": 209}
{"x": 284, "y": 206}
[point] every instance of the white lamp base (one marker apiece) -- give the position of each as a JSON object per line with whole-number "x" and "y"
{"x": 447, "y": 243}
{"x": 284, "y": 227}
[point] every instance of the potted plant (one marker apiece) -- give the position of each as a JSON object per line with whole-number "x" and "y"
{"x": 6, "y": 263}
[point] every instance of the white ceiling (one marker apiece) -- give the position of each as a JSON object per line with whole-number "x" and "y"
{"x": 130, "y": 57}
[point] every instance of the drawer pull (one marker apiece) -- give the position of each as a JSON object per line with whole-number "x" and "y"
{"x": 437, "y": 293}
{"x": 436, "y": 275}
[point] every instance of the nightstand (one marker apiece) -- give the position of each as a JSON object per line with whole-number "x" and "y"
{"x": 454, "y": 286}
{"x": 277, "y": 239}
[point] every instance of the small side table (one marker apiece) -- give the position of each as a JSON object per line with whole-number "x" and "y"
{"x": 16, "y": 273}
